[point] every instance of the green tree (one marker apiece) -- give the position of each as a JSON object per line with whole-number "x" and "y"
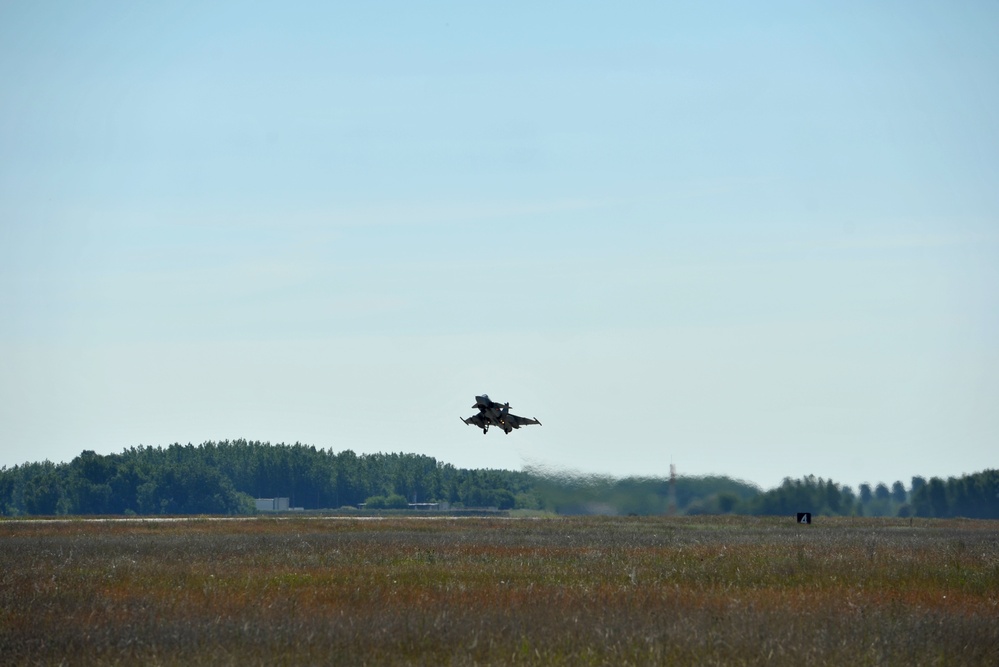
{"x": 88, "y": 487}
{"x": 898, "y": 493}
{"x": 833, "y": 498}
{"x": 396, "y": 502}
{"x": 848, "y": 503}
{"x": 189, "y": 487}
{"x": 865, "y": 493}
{"x": 931, "y": 499}
{"x": 375, "y": 503}
{"x": 503, "y": 499}
{"x": 727, "y": 502}
{"x": 42, "y": 490}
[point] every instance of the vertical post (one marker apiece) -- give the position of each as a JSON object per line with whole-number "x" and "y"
{"x": 671, "y": 508}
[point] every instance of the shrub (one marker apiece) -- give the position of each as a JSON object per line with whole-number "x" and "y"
{"x": 396, "y": 502}
{"x": 375, "y": 503}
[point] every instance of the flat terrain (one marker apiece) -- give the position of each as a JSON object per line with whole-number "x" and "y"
{"x": 704, "y": 590}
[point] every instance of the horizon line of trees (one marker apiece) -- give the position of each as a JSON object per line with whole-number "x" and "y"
{"x": 974, "y": 496}
{"x": 225, "y": 477}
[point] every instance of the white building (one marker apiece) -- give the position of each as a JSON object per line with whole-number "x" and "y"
{"x": 272, "y": 504}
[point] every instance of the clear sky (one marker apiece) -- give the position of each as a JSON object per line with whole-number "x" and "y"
{"x": 753, "y": 240}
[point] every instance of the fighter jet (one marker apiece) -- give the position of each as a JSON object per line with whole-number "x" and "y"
{"x": 496, "y": 414}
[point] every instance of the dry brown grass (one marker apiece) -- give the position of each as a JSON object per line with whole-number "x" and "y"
{"x": 726, "y": 590}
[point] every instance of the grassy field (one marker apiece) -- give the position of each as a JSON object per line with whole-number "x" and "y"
{"x": 575, "y": 591}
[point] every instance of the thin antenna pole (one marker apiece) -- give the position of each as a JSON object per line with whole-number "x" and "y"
{"x": 671, "y": 508}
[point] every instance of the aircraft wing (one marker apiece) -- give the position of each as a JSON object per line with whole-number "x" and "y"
{"x": 521, "y": 421}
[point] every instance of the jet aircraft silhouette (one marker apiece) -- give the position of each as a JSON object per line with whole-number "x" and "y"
{"x": 496, "y": 414}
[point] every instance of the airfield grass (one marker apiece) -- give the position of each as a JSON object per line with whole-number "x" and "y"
{"x": 570, "y": 591}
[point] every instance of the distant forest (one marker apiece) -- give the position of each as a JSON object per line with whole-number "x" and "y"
{"x": 225, "y": 478}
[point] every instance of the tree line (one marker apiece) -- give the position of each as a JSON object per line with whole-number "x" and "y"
{"x": 225, "y": 477}
{"x": 974, "y": 496}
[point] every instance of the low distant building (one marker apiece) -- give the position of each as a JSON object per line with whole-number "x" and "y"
{"x": 272, "y": 504}
{"x": 426, "y": 507}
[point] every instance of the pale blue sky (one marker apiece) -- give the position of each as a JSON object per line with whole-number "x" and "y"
{"x": 758, "y": 241}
